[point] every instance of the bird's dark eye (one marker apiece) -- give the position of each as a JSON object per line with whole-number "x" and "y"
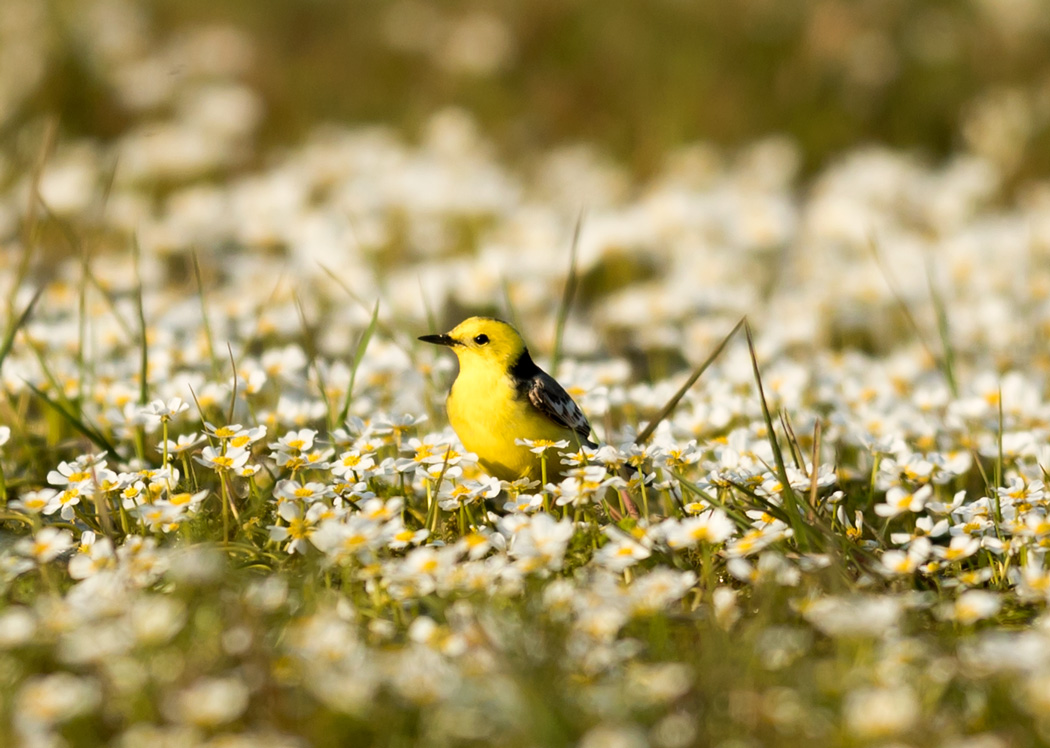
{"x": 481, "y": 339}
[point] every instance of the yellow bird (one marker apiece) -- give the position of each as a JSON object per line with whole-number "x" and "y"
{"x": 500, "y": 395}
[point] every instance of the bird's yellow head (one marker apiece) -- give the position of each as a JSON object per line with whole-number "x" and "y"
{"x": 481, "y": 340}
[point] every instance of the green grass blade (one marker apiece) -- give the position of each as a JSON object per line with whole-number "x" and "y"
{"x": 362, "y": 345}
{"x": 671, "y": 404}
{"x": 143, "y": 342}
{"x": 233, "y": 393}
{"x": 946, "y": 361}
{"x": 388, "y": 331}
{"x": 944, "y": 333}
{"x": 736, "y": 515}
{"x": 310, "y": 347}
{"x": 204, "y": 317}
{"x": 92, "y": 434}
{"x": 432, "y": 323}
{"x": 791, "y": 501}
{"x": 571, "y": 282}
{"x": 9, "y": 339}
{"x": 508, "y": 303}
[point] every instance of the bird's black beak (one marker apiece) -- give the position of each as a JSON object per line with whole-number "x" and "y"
{"x": 442, "y": 339}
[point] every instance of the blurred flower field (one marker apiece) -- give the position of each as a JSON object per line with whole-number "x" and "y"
{"x": 231, "y": 509}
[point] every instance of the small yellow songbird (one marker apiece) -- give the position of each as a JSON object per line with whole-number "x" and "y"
{"x": 500, "y": 395}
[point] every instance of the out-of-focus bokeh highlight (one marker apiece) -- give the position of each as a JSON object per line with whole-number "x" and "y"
{"x": 638, "y": 79}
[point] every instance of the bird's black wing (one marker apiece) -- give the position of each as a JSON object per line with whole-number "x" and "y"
{"x": 549, "y": 397}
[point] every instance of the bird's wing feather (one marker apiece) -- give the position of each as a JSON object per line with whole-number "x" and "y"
{"x": 554, "y": 402}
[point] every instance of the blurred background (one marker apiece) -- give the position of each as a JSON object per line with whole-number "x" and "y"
{"x": 635, "y": 78}
{"x": 821, "y": 166}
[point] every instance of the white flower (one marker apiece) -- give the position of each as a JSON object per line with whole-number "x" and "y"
{"x": 34, "y": 502}
{"x": 230, "y": 459}
{"x": 881, "y": 712}
{"x": 165, "y": 411}
{"x": 155, "y": 619}
{"x": 537, "y": 542}
{"x": 711, "y": 526}
{"x": 898, "y": 501}
{"x": 853, "y": 615}
{"x": 901, "y": 562}
{"x": 95, "y": 554}
{"x": 47, "y": 544}
{"x": 620, "y": 552}
{"x": 975, "y": 605}
{"x": 209, "y": 702}
{"x": 53, "y": 699}
{"x": 961, "y": 546}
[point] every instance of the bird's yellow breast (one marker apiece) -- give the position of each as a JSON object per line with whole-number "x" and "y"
{"x": 489, "y": 414}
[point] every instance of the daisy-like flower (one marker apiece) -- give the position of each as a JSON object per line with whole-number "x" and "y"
{"x": 295, "y": 441}
{"x": 134, "y": 494}
{"x": 161, "y": 516}
{"x": 583, "y": 456}
{"x": 34, "y": 502}
{"x": 94, "y": 555}
{"x": 48, "y": 544}
{"x": 924, "y": 527}
{"x": 585, "y": 485}
{"x": 248, "y": 470}
{"x": 291, "y": 490}
{"x": 621, "y": 552}
{"x": 246, "y": 437}
{"x": 537, "y": 542}
{"x": 898, "y": 501}
{"x": 404, "y": 537}
{"x": 960, "y": 547}
{"x": 186, "y": 500}
{"x": 236, "y": 435}
{"x": 973, "y": 519}
{"x": 295, "y": 461}
{"x": 71, "y": 474}
{"x": 907, "y": 562}
{"x": 353, "y": 463}
{"x": 468, "y": 492}
{"x": 287, "y": 362}
{"x": 377, "y": 510}
{"x": 299, "y": 528}
{"x": 209, "y": 702}
{"x": 396, "y": 425}
{"x": 1020, "y": 491}
{"x": 432, "y": 449}
{"x": 223, "y": 432}
{"x": 219, "y": 460}
{"x": 45, "y": 701}
{"x": 64, "y": 503}
{"x": 183, "y": 443}
{"x": 251, "y": 377}
{"x": 540, "y": 446}
{"x": 757, "y": 539}
{"x": 1033, "y": 581}
{"x": 160, "y": 479}
{"x": 357, "y": 537}
{"x": 678, "y": 458}
{"x": 972, "y": 606}
{"x": 712, "y": 526}
{"x": 165, "y": 411}
{"x": 477, "y": 544}
{"x": 524, "y": 502}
